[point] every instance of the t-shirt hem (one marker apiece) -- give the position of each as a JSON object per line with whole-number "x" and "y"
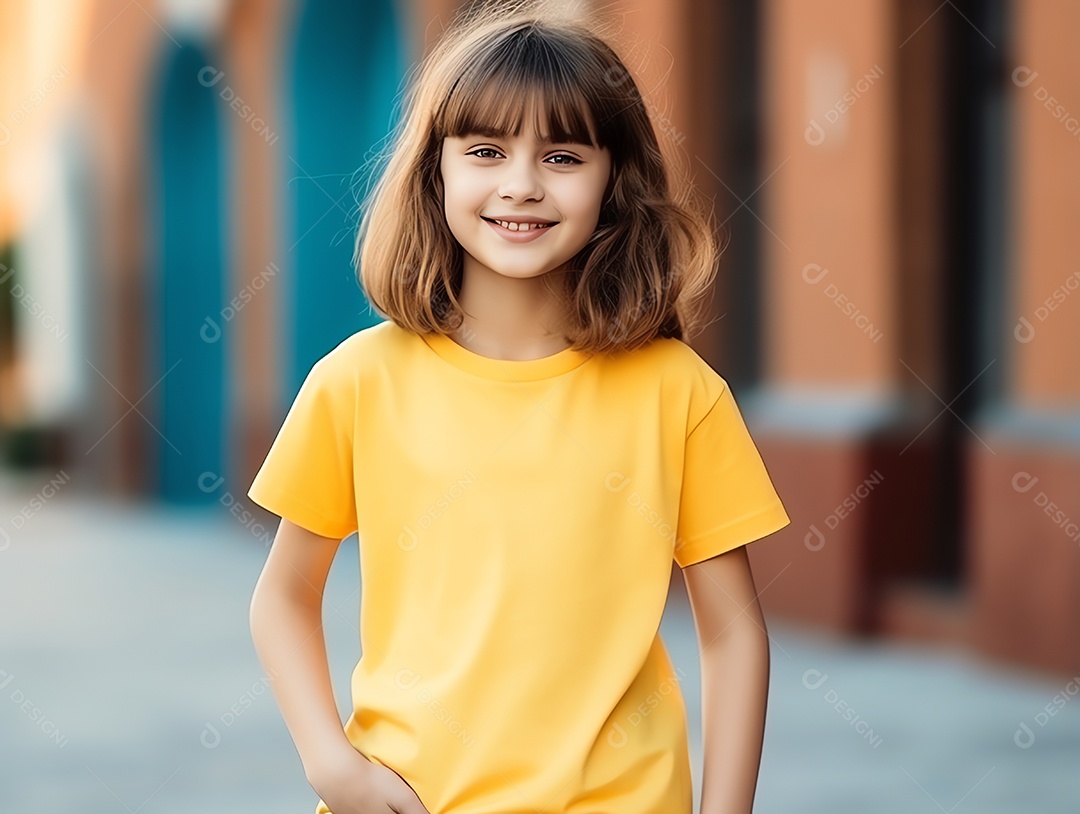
{"x": 728, "y": 537}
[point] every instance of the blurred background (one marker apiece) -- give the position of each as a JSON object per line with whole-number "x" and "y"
{"x": 897, "y": 311}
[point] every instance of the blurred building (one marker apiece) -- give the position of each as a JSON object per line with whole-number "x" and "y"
{"x": 898, "y": 309}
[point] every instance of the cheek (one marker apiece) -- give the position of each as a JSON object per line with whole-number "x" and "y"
{"x": 459, "y": 193}
{"x": 452, "y": 199}
{"x": 590, "y": 197}
{"x": 585, "y": 205}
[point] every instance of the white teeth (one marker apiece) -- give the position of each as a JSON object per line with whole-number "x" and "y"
{"x": 521, "y": 227}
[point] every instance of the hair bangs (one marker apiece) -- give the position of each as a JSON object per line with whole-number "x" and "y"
{"x": 517, "y": 77}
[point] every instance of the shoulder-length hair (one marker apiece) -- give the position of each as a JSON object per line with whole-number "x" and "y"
{"x": 653, "y": 254}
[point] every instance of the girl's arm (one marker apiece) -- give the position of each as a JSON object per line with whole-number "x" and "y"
{"x": 734, "y": 678}
{"x": 286, "y": 628}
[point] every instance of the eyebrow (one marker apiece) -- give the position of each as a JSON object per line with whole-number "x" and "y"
{"x": 494, "y": 134}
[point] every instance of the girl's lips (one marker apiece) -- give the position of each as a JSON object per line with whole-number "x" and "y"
{"x": 518, "y": 237}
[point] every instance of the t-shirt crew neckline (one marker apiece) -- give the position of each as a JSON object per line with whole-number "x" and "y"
{"x": 506, "y": 370}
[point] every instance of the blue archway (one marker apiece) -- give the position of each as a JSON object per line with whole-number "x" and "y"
{"x": 186, "y": 369}
{"x": 344, "y": 75}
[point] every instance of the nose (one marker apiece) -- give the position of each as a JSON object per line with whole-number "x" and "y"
{"x": 520, "y": 180}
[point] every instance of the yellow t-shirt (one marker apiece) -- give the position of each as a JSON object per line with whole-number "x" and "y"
{"x": 517, "y": 524}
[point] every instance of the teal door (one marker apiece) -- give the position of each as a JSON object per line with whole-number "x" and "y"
{"x": 345, "y": 70}
{"x": 185, "y": 371}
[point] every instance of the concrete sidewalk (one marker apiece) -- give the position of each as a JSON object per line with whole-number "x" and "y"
{"x": 130, "y": 684}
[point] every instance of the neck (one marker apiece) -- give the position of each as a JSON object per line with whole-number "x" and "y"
{"x": 506, "y": 317}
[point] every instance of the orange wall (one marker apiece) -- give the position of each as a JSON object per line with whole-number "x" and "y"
{"x": 828, "y": 201}
{"x": 1045, "y": 103}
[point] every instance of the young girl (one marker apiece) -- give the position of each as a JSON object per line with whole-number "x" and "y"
{"x": 524, "y": 446}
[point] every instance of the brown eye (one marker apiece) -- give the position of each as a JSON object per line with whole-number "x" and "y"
{"x": 573, "y": 160}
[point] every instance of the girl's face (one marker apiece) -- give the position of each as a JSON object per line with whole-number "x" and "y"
{"x": 516, "y": 179}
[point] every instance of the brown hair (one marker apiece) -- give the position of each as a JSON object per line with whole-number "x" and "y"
{"x": 652, "y": 256}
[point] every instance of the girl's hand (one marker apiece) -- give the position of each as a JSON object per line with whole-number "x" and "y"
{"x": 349, "y": 783}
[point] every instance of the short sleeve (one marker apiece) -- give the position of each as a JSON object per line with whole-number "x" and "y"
{"x": 728, "y": 498}
{"x": 307, "y": 476}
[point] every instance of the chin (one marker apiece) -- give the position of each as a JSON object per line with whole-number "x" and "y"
{"x": 526, "y": 269}
{"x": 520, "y": 274}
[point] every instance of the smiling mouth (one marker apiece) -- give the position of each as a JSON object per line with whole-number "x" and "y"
{"x": 519, "y": 227}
